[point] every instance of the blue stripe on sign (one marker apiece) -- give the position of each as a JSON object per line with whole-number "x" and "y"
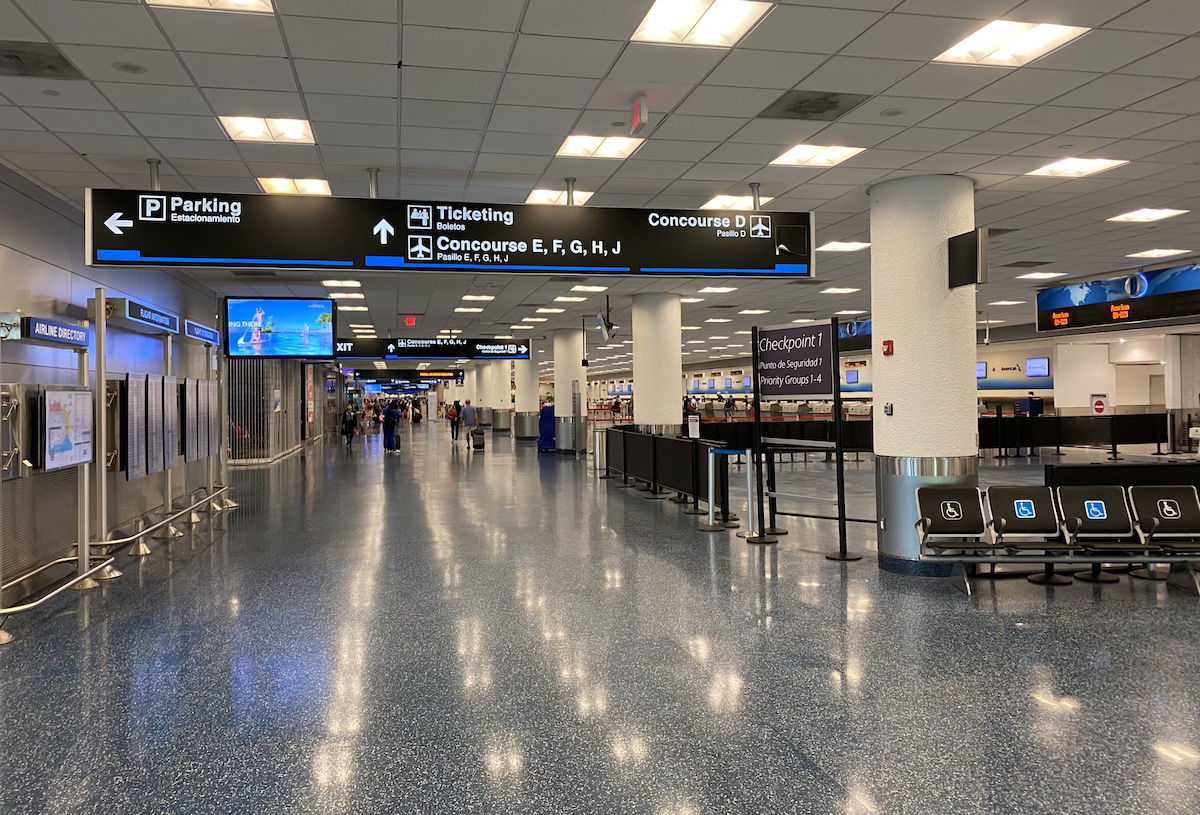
{"x": 780, "y": 268}
{"x": 135, "y": 256}
{"x": 398, "y": 261}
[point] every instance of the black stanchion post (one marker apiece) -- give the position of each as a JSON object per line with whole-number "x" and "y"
{"x": 772, "y": 501}
{"x": 1000, "y": 431}
{"x": 755, "y": 457}
{"x": 1113, "y": 455}
{"x": 839, "y": 452}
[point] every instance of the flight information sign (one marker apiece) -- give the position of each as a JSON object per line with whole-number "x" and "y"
{"x": 430, "y": 348}
{"x": 135, "y": 228}
{"x": 397, "y": 377}
{"x": 1131, "y": 298}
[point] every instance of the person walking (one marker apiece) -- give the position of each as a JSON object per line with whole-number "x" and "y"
{"x": 349, "y": 425}
{"x": 454, "y": 417}
{"x": 391, "y": 418}
{"x": 729, "y": 408}
{"x": 469, "y": 419}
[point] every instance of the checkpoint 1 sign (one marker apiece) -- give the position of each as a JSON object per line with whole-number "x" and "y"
{"x": 134, "y": 228}
{"x": 429, "y": 348}
{"x": 796, "y": 362}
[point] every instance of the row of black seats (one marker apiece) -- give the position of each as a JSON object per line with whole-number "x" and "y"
{"x": 1089, "y": 524}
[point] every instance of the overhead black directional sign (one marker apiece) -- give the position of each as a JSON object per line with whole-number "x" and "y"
{"x": 401, "y": 377}
{"x": 136, "y": 228}
{"x": 431, "y": 348}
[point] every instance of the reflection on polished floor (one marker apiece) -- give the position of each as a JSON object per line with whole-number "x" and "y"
{"x": 449, "y": 632}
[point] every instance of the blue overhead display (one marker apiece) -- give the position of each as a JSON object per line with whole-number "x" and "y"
{"x": 1130, "y": 298}
{"x": 136, "y": 228}
{"x": 279, "y": 327}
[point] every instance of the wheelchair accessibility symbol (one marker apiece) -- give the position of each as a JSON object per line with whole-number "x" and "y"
{"x": 1024, "y": 509}
{"x": 952, "y": 510}
{"x": 1168, "y": 509}
{"x": 1096, "y": 511}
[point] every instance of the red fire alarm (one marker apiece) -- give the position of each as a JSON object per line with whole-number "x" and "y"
{"x": 889, "y": 348}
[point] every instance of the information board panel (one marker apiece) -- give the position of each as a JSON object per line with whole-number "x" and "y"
{"x": 133, "y": 426}
{"x": 134, "y": 228}
{"x": 171, "y": 428}
{"x": 202, "y": 418}
{"x": 430, "y": 348}
{"x": 190, "y": 420}
{"x": 154, "y": 424}
{"x": 215, "y": 434}
{"x": 1130, "y": 298}
{"x": 796, "y": 362}
{"x": 67, "y": 422}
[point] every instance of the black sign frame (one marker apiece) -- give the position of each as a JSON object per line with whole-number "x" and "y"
{"x": 429, "y": 348}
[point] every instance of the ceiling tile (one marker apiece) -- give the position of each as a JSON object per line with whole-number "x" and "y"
{"x": 436, "y": 138}
{"x": 1115, "y": 91}
{"x": 254, "y": 34}
{"x": 16, "y": 26}
{"x": 354, "y": 135}
{"x": 1124, "y": 123}
{"x": 179, "y": 127}
{"x": 456, "y": 48}
{"x": 358, "y": 156}
{"x": 924, "y": 138}
{"x": 92, "y": 144}
{"x": 756, "y": 154}
{"x": 81, "y": 121}
{"x": 639, "y": 168}
{"x": 895, "y": 110}
{"x": 449, "y": 84}
{"x": 280, "y": 153}
{"x": 1181, "y": 60}
{"x": 436, "y": 159}
{"x": 648, "y": 62}
{"x": 98, "y": 63}
{"x": 520, "y": 143}
{"x": 546, "y": 91}
{"x": 1033, "y": 85}
{"x": 524, "y": 119}
{"x": 1183, "y": 98}
{"x": 562, "y": 56}
{"x": 509, "y": 163}
{"x": 1071, "y": 12}
{"x": 275, "y": 104}
{"x": 940, "y": 81}
{"x": 1103, "y": 50}
{"x": 855, "y": 135}
{"x": 997, "y": 144}
{"x": 1169, "y": 16}
{"x": 376, "y": 11}
{"x": 747, "y": 68}
{"x": 428, "y": 113}
{"x": 982, "y": 9}
{"x": 975, "y": 115}
{"x": 610, "y": 20}
{"x": 777, "y": 131}
{"x": 713, "y": 171}
{"x": 491, "y": 15}
{"x": 372, "y": 110}
{"x": 719, "y": 100}
{"x": 911, "y": 36}
{"x": 77, "y": 22}
{"x": 57, "y": 93}
{"x": 1051, "y": 119}
{"x": 857, "y": 75}
{"x": 357, "y": 78}
{"x": 698, "y": 128}
{"x": 348, "y": 40}
{"x": 249, "y": 73}
{"x": 129, "y": 96}
{"x": 808, "y": 29}
{"x": 618, "y": 94}
{"x": 194, "y": 148}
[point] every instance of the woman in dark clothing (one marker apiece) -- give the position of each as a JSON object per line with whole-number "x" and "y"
{"x": 349, "y": 424}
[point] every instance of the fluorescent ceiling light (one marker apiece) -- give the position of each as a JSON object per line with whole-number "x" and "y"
{"x": 699, "y": 22}
{"x": 254, "y": 6}
{"x": 989, "y": 322}
{"x": 691, "y": 299}
{"x": 351, "y": 308}
{"x": 755, "y": 311}
{"x": 533, "y": 319}
{"x": 694, "y": 342}
{"x": 1077, "y": 167}
{"x": 812, "y": 155}
{"x": 840, "y": 290}
{"x": 618, "y": 147}
{"x": 279, "y": 131}
{"x": 467, "y": 310}
{"x": 689, "y": 328}
{"x": 520, "y": 327}
{"x": 346, "y": 295}
{"x": 362, "y": 325}
{"x": 1010, "y": 44}
{"x": 341, "y": 284}
{"x": 718, "y": 320}
{"x": 589, "y": 288}
{"x": 1159, "y": 253}
{"x": 1146, "y": 215}
{"x": 843, "y": 246}
{"x": 482, "y": 298}
{"x": 803, "y": 321}
{"x": 556, "y": 197}
{"x": 1007, "y": 303}
{"x": 1041, "y": 275}
{"x": 545, "y": 310}
{"x": 568, "y": 299}
{"x": 294, "y": 186}
{"x": 718, "y": 289}
{"x": 734, "y": 202}
{"x": 850, "y": 311}
{"x": 743, "y": 332}
{"x": 718, "y": 337}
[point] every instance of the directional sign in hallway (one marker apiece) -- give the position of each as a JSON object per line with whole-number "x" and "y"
{"x": 135, "y": 228}
{"x": 430, "y": 348}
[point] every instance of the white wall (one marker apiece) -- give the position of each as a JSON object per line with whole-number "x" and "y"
{"x": 1080, "y": 371}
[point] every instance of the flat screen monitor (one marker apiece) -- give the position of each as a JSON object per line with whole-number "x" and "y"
{"x": 851, "y": 377}
{"x": 695, "y": 384}
{"x": 729, "y": 382}
{"x": 1037, "y": 366}
{"x": 981, "y": 370}
{"x": 297, "y": 327}
{"x": 712, "y": 384}
{"x": 745, "y": 381}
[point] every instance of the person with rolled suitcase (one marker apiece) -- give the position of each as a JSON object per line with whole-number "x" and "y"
{"x": 470, "y": 423}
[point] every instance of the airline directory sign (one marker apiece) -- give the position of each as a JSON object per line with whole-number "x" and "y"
{"x": 1131, "y": 298}
{"x": 136, "y": 228}
{"x": 430, "y": 348}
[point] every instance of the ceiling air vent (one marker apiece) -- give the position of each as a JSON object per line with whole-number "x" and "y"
{"x": 1026, "y": 264}
{"x": 37, "y": 59}
{"x": 254, "y": 273}
{"x": 821, "y": 106}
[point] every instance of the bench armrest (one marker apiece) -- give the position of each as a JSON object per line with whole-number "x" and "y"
{"x": 1146, "y": 528}
{"x": 1070, "y": 528}
{"x": 998, "y": 527}
{"x": 922, "y": 526}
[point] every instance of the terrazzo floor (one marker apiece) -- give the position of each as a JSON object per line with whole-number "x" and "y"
{"x": 452, "y": 632}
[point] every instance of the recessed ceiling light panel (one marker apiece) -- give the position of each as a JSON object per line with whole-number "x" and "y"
{"x": 843, "y": 246}
{"x": 1010, "y": 44}
{"x": 279, "y": 131}
{"x": 614, "y": 147}
{"x": 556, "y": 197}
{"x": 811, "y": 155}
{"x": 1146, "y": 215}
{"x": 733, "y": 202}
{"x": 1076, "y": 167}
{"x": 251, "y": 6}
{"x": 718, "y": 23}
{"x": 1159, "y": 253}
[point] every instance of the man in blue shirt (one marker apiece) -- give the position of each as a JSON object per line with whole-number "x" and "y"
{"x": 391, "y": 419}
{"x": 469, "y": 419}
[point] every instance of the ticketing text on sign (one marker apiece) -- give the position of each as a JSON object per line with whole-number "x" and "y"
{"x": 130, "y": 227}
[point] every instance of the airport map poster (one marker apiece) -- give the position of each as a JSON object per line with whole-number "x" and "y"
{"x": 279, "y": 327}
{"x": 170, "y": 415}
{"x": 154, "y": 424}
{"x": 68, "y": 424}
{"x": 134, "y": 431}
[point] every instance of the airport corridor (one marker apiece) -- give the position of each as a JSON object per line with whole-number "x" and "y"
{"x": 446, "y": 631}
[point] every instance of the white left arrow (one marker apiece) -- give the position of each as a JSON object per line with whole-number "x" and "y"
{"x": 384, "y": 230}
{"x": 115, "y": 222}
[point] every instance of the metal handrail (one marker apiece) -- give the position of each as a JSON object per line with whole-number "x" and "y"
{"x": 4, "y": 612}
{"x": 117, "y": 542}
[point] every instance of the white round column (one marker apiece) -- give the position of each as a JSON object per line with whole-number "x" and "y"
{"x": 930, "y": 436}
{"x": 501, "y": 394}
{"x": 468, "y": 385}
{"x": 525, "y": 375}
{"x": 483, "y": 393}
{"x": 569, "y": 371}
{"x": 657, "y": 361}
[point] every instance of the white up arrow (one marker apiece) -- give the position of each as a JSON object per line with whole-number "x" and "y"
{"x": 384, "y": 230}
{"x": 115, "y": 222}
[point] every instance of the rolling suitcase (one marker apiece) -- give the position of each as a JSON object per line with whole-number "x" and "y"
{"x": 477, "y": 439}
